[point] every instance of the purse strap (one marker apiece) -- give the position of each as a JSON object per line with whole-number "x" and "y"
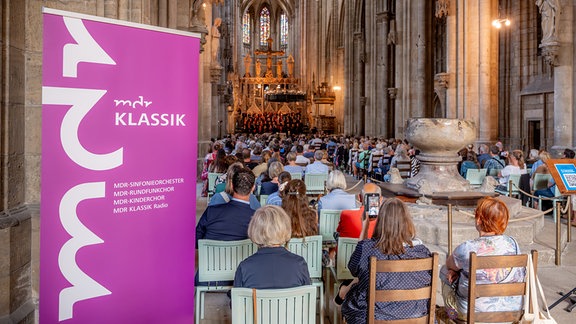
{"x": 254, "y": 306}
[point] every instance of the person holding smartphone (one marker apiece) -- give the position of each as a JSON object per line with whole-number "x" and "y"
{"x": 350, "y": 223}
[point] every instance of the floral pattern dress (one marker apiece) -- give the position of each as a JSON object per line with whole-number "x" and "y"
{"x": 487, "y": 245}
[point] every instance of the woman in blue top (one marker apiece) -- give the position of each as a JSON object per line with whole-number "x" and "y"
{"x": 272, "y": 266}
{"x": 393, "y": 239}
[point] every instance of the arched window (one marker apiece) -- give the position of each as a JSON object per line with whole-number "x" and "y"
{"x": 264, "y": 26}
{"x": 283, "y": 30}
{"x": 246, "y": 28}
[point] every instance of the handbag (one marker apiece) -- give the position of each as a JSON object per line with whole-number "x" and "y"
{"x": 538, "y": 315}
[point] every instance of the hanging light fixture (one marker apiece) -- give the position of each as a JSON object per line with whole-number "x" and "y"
{"x": 499, "y": 22}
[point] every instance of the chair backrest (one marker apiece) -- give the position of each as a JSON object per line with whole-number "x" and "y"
{"x": 346, "y": 247}
{"x": 263, "y": 199}
{"x": 315, "y": 182}
{"x": 405, "y": 168}
{"x": 310, "y": 248}
{"x": 412, "y": 265}
{"x": 212, "y": 180}
{"x": 329, "y": 220}
{"x": 218, "y": 260}
{"x": 274, "y": 306}
{"x": 515, "y": 181}
{"x": 475, "y": 176}
{"x": 540, "y": 181}
{"x": 296, "y": 175}
{"x": 496, "y": 289}
{"x": 493, "y": 172}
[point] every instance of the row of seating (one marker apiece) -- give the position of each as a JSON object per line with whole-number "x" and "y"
{"x": 218, "y": 261}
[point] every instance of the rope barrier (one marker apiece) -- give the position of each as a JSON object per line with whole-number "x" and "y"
{"x": 354, "y": 186}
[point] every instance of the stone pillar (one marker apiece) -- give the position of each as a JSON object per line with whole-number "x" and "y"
{"x": 564, "y": 86}
{"x": 382, "y": 81}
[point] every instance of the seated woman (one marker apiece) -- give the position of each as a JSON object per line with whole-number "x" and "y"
{"x": 292, "y": 167}
{"x": 226, "y": 195}
{"x": 393, "y": 239}
{"x": 295, "y": 203}
{"x": 336, "y": 198}
{"x": 273, "y": 266}
{"x": 275, "y": 198}
{"x": 515, "y": 165}
{"x": 471, "y": 162}
{"x": 271, "y": 186}
{"x": 491, "y": 220}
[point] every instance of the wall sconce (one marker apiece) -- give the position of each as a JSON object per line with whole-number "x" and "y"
{"x": 336, "y": 88}
{"x": 497, "y": 23}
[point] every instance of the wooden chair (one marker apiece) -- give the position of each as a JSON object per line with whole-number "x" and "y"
{"x": 496, "y": 289}
{"x": 405, "y": 168}
{"x": 374, "y": 164}
{"x": 217, "y": 261}
{"x": 329, "y": 220}
{"x": 310, "y": 248}
{"x": 292, "y": 305}
{"x": 413, "y": 265}
{"x": 315, "y": 183}
{"x": 475, "y": 176}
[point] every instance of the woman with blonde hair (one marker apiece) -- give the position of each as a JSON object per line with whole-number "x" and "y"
{"x": 295, "y": 203}
{"x": 394, "y": 238}
{"x": 272, "y": 266}
{"x": 336, "y": 198}
{"x": 516, "y": 165}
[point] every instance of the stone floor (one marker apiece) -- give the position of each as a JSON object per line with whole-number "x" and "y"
{"x": 554, "y": 279}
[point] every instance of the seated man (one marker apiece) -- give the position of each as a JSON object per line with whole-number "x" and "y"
{"x": 350, "y": 223}
{"x": 229, "y": 222}
{"x": 317, "y": 167}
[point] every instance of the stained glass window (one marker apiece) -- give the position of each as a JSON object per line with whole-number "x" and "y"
{"x": 246, "y": 28}
{"x": 283, "y": 30}
{"x": 264, "y": 26}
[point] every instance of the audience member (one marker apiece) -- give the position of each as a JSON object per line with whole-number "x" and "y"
{"x": 337, "y": 198}
{"x": 470, "y": 162}
{"x": 350, "y": 224}
{"x": 229, "y": 222}
{"x": 292, "y": 167}
{"x": 295, "y": 203}
{"x": 271, "y": 186}
{"x": 275, "y": 198}
{"x": 272, "y": 266}
{"x": 300, "y": 159}
{"x": 495, "y": 162}
{"x": 393, "y": 239}
{"x": 515, "y": 166}
{"x": 492, "y": 217}
{"x": 317, "y": 167}
{"x": 225, "y": 196}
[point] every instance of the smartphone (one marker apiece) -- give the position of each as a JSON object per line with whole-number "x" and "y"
{"x": 372, "y": 204}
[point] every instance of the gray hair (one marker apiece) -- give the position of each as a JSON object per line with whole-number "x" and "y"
{"x": 336, "y": 180}
{"x": 318, "y": 155}
{"x": 269, "y": 226}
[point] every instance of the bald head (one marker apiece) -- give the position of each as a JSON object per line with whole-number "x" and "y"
{"x": 371, "y": 188}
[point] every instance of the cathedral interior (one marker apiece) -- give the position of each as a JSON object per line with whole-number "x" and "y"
{"x": 354, "y": 67}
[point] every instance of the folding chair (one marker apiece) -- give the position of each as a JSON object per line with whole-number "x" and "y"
{"x": 315, "y": 183}
{"x": 475, "y": 176}
{"x": 212, "y": 183}
{"x": 329, "y": 220}
{"x": 310, "y": 248}
{"x": 405, "y": 266}
{"x": 292, "y": 305}
{"x": 217, "y": 261}
{"x": 346, "y": 247}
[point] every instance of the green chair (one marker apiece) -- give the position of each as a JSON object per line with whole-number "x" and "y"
{"x": 315, "y": 183}
{"x": 263, "y": 199}
{"x": 212, "y": 183}
{"x": 329, "y": 220}
{"x": 292, "y": 305}
{"x": 310, "y": 248}
{"x": 515, "y": 178}
{"x": 296, "y": 175}
{"x": 346, "y": 247}
{"x": 540, "y": 181}
{"x": 217, "y": 261}
{"x": 557, "y": 197}
{"x": 475, "y": 176}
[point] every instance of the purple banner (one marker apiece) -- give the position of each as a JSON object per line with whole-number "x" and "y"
{"x": 119, "y": 138}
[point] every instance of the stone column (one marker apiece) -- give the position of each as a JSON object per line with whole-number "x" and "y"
{"x": 382, "y": 81}
{"x": 564, "y": 86}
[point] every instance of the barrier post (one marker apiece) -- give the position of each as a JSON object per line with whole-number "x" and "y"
{"x": 510, "y": 188}
{"x": 449, "y": 230}
{"x": 569, "y": 217}
{"x": 558, "y": 224}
